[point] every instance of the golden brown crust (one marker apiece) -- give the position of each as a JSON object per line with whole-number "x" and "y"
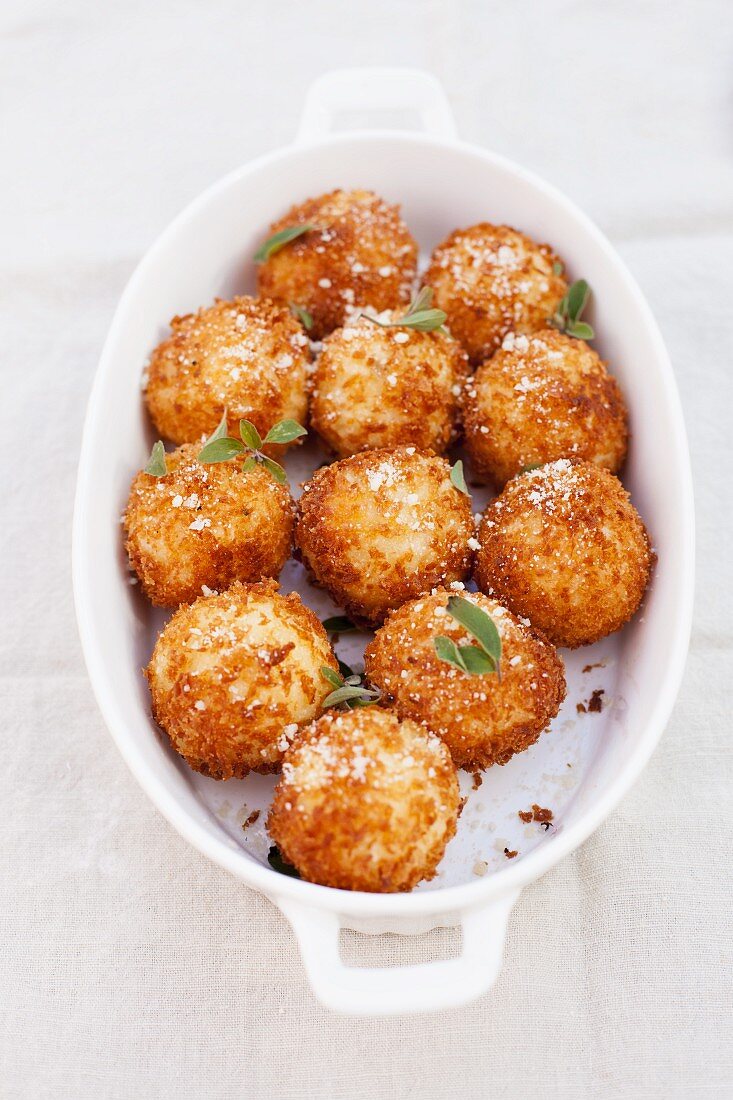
{"x": 362, "y": 254}
{"x": 365, "y": 802}
{"x": 539, "y": 398}
{"x": 483, "y": 720}
{"x": 491, "y": 280}
{"x": 564, "y": 546}
{"x": 205, "y": 527}
{"x": 381, "y": 527}
{"x": 248, "y": 355}
{"x": 233, "y": 675}
{"x": 386, "y": 387}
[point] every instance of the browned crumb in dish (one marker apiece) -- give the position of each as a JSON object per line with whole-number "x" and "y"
{"x": 564, "y": 547}
{"x": 360, "y": 253}
{"x": 365, "y": 802}
{"x": 382, "y": 526}
{"x": 483, "y": 719}
{"x": 491, "y": 280}
{"x": 248, "y": 356}
{"x": 234, "y": 675}
{"x": 200, "y": 528}
{"x": 384, "y": 387}
{"x": 539, "y": 398}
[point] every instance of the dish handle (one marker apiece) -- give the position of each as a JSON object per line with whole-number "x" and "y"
{"x": 378, "y": 92}
{"x": 385, "y": 991}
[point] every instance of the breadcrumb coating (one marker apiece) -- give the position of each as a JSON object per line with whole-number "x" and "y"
{"x": 491, "y": 280}
{"x": 365, "y": 802}
{"x": 539, "y": 398}
{"x": 234, "y": 675}
{"x": 385, "y": 387}
{"x": 383, "y": 526}
{"x": 484, "y": 719}
{"x": 248, "y": 356}
{"x": 203, "y": 527}
{"x": 564, "y": 546}
{"x": 361, "y": 254}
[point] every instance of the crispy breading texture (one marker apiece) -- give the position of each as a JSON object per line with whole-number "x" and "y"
{"x": 233, "y": 676}
{"x": 248, "y": 356}
{"x": 365, "y": 802}
{"x": 381, "y": 527}
{"x": 491, "y": 280}
{"x": 361, "y": 254}
{"x": 539, "y": 398}
{"x": 384, "y": 387}
{"x": 205, "y": 526}
{"x": 564, "y": 546}
{"x": 484, "y": 719}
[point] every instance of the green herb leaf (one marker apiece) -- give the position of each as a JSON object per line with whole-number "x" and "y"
{"x": 156, "y": 466}
{"x": 221, "y": 431}
{"x": 275, "y": 469}
{"x": 422, "y": 300}
{"x": 457, "y": 477}
{"x": 338, "y": 624}
{"x": 477, "y": 623}
{"x": 348, "y": 694}
{"x": 577, "y": 299}
{"x": 580, "y": 330}
{"x": 334, "y": 678}
{"x": 250, "y": 436}
{"x": 220, "y": 450}
{"x": 476, "y": 661}
{"x": 558, "y": 268}
{"x": 249, "y": 464}
{"x": 419, "y": 315}
{"x": 278, "y": 863}
{"x": 305, "y": 318}
{"x": 447, "y": 651}
{"x": 285, "y": 431}
{"x": 277, "y": 241}
{"x": 343, "y": 695}
{"x": 530, "y": 468}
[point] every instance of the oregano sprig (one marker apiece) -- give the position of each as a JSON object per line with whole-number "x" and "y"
{"x": 220, "y": 446}
{"x": 567, "y": 316}
{"x": 156, "y": 466}
{"x": 279, "y": 240}
{"x": 348, "y": 690}
{"x": 474, "y": 660}
{"x": 420, "y": 315}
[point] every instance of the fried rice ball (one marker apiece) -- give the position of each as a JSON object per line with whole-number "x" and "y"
{"x": 248, "y": 356}
{"x": 202, "y": 527}
{"x": 234, "y": 675}
{"x": 491, "y": 280}
{"x": 483, "y": 719}
{"x": 359, "y": 254}
{"x": 539, "y": 398}
{"x": 564, "y": 546}
{"x": 365, "y": 802}
{"x": 381, "y": 527}
{"x": 382, "y": 387}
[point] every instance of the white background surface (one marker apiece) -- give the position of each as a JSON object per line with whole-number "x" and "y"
{"x": 131, "y": 967}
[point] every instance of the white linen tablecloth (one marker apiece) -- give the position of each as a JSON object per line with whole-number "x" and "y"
{"x": 130, "y": 966}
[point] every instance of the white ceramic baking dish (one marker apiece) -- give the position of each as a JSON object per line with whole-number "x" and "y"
{"x": 584, "y": 764}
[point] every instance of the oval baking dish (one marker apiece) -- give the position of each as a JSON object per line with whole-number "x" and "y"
{"x": 583, "y": 766}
